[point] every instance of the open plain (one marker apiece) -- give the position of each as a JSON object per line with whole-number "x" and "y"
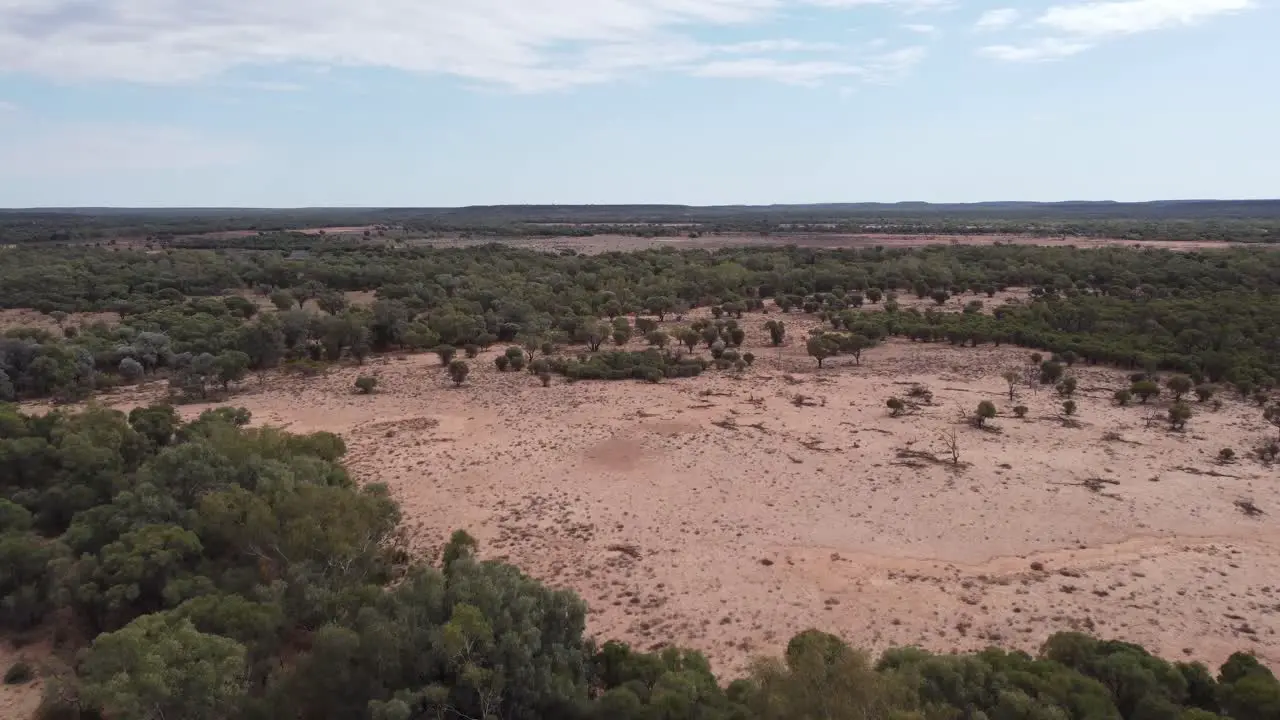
{"x": 729, "y": 511}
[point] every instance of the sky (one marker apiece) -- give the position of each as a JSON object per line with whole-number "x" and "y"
{"x": 300, "y": 103}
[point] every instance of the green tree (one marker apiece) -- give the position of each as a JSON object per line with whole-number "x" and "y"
{"x": 283, "y": 300}
{"x": 1012, "y": 377}
{"x": 231, "y": 367}
{"x": 660, "y": 305}
{"x": 820, "y": 348}
{"x": 1050, "y": 372}
{"x": 1145, "y": 390}
{"x": 1179, "y": 385}
{"x": 331, "y": 302}
{"x": 160, "y": 666}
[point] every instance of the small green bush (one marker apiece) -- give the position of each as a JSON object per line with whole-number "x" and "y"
{"x": 986, "y": 411}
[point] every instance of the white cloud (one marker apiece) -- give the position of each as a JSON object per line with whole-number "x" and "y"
{"x": 273, "y": 86}
{"x": 1080, "y": 27}
{"x": 794, "y": 73}
{"x": 882, "y": 69}
{"x": 529, "y": 45}
{"x": 61, "y": 150}
{"x": 8, "y": 107}
{"x": 1036, "y": 51}
{"x": 778, "y": 46}
{"x": 998, "y": 19}
{"x": 921, "y": 28}
{"x": 1127, "y": 17}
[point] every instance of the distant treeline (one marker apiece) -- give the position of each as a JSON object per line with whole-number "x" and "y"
{"x": 1242, "y": 220}
{"x": 1213, "y": 315}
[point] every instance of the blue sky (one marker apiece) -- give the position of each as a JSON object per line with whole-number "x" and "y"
{"x": 285, "y": 103}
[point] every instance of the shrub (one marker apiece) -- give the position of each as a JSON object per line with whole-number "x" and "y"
{"x": 502, "y": 362}
{"x": 748, "y": 358}
{"x": 1123, "y": 397}
{"x": 921, "y": 393}
{"x": 1020, "y": 411}
{"x": 658, "y": 339}
{"x": 1145, "y": 390}
{"x": 777, "y": 331}
{"x": 446, "y": 354}
{"x": 1179, "y": 385}
{"x": 366, "y": 384}
{"x": 1179, "y": 414}
{"x": 516, "y": 363}
{"x": 1069, "y": 408}
{"x": 1050, "y": 372}
{"x": 458, "y": 371}
{"x": 1204, "y": 391}
{"x": 19, "y": 673}
{"x": 896, "y": 406}
{"x": 1226, "y": 455}
{"x": 986, "y": 411}
{"x": 131, "y": 370}
{"x": 1067, "y": 387}
{"x": 1272, "y": 414}
{"x": 545, "y": 377}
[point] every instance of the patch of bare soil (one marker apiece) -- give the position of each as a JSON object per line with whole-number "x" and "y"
{"x": 720, "y": 513}
{"x": 20, "y": 700}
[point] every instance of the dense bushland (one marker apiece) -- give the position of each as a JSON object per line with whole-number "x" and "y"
{"x": 1214, "y": 315}
{"x": 207, "y": 570}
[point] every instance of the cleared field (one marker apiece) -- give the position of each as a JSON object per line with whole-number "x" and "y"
{"x": 729, "y": 511}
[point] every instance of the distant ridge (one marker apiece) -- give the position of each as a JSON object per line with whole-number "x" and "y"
{"x": 811, "y": 212}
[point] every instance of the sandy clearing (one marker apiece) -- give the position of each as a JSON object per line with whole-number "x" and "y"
{"x": 21, "y": 700}
{"x": 751, "y": 518}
